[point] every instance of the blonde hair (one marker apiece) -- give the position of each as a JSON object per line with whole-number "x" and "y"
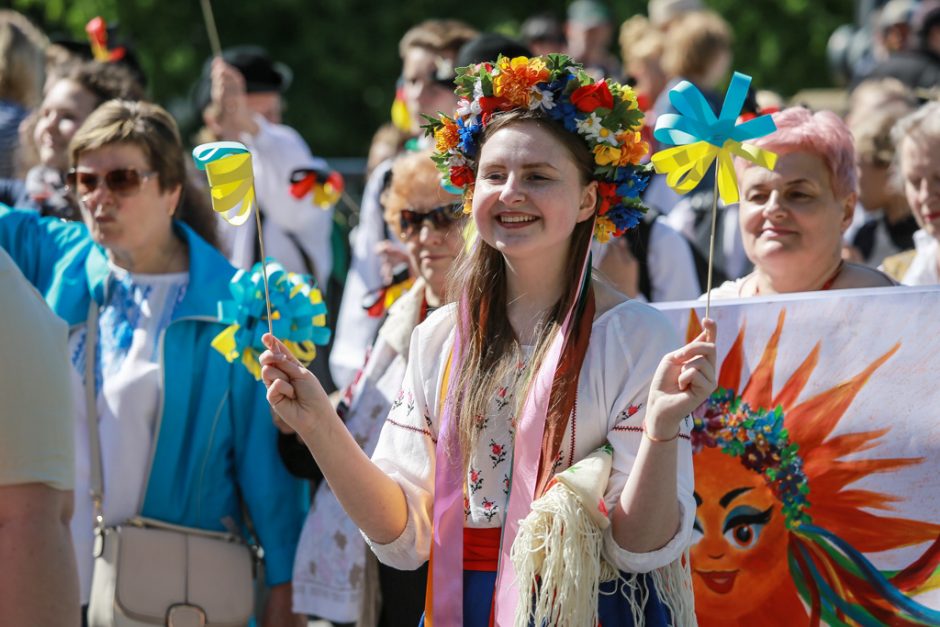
{"x": 696, "y": 41}
{"x": 440, "y": 36}
{"x": 149, "y": 127}
{"x": 413, "y": 175}
{"x": 639, "y": 40}
{"x": 22, "y": 60}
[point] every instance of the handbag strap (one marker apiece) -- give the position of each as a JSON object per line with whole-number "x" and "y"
{"x": 91, "y": 414}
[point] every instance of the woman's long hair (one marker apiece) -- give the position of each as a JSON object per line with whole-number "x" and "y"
{"x": 478, "y": 280}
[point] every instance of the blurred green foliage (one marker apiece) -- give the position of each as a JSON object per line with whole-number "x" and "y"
{"x": 344, "y": 53}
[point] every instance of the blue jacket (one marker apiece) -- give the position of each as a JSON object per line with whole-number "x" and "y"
{"x": 215, "y": 441}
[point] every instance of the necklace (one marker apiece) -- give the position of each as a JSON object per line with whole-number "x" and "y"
{"x": 825, "y": 286}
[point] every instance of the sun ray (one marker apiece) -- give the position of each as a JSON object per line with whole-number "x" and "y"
{"x": 759, "y": 389}
{"x": 798, "y": 380}
{"x": 812, "y": 421}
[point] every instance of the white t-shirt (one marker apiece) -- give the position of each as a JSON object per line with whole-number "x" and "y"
{"x": 129, "y": 390}
{"x": 36, "y": 440}
{"x": 923, "y": 269}
{"x": 275, "y": 152}
{"x": 627, "y": 343}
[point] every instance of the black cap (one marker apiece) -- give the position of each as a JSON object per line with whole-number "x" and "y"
{"x": 262, "y": 74}
{"x": 487, "y": 47}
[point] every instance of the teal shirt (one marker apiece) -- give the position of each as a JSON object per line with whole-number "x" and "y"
{"x": 215, "y": 443}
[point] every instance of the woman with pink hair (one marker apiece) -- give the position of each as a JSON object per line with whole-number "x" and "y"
{"x": 792, "y": 218}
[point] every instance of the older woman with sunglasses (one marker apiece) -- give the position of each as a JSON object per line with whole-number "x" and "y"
{"x": 329, "y": 580}
{"x": 185, "y": 436}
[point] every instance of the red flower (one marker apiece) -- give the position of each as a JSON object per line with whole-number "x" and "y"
{"x": 609, "y": 197}
{"x": 489, "y": 104}
{"x": 632, "y": 409}
{"x": 590, "y": 97}
{"x": 497, "y": 449}
{"x": 461, "y": 175}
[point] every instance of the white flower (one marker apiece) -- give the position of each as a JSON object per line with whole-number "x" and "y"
{"x": 541, "y": 98}
{"x": 468, "y": 111}
{"x": 477, "y": 90}
{"x": 455, "y": 158}
{"x": 591, "y": 128}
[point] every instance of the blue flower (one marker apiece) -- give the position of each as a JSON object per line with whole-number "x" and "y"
{"x": 468, "y": 137}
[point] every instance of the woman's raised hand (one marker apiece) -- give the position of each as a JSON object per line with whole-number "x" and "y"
{"x": 684, "y": 380}
{"x": 293, "y": 391}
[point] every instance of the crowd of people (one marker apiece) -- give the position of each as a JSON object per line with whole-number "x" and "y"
{"x": 486, "y": 334}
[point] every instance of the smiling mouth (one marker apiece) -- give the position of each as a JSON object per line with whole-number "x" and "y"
{"x": 515, "y": 219}
{"x": 718, "y": 581}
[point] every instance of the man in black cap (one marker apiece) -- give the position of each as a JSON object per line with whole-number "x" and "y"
{"x": 240, "y": 98}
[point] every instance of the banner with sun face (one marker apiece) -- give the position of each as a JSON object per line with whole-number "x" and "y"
{"x": 817, "y": 461}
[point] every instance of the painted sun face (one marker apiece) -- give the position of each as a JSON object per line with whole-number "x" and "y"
{"x": 739, "y": 538}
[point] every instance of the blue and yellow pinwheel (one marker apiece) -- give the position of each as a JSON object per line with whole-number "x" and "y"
{"x": 231, "y": 180}
{"x": 298, "y": 316}
{"x": 699, "y": 138}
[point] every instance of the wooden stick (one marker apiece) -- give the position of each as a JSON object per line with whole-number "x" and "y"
{"x": 711, "y": 245}
{"x": 216, "y": 46}
{"x": 214, "y": 42}
{"x": 264, "y": 271}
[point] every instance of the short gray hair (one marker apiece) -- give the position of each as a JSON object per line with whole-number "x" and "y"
{"x": 921, "y": 124}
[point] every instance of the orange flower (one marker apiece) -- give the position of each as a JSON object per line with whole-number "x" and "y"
{"x": 632, "y": 148}
{"x": 446, "y": 137}
{"x": 517, "y": 77}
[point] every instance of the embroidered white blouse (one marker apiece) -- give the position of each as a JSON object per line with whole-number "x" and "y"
{"x": 627, "y": 343}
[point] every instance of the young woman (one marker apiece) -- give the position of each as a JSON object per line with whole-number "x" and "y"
{"x": 535, "y": 367}
{"x": 332, "y": 570}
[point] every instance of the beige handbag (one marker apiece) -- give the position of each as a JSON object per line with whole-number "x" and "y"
{"x": 149, "y": 572}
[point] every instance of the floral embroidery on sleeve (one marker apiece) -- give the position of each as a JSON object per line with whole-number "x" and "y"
{"x": 497, "y": 453}
{"x": 490, "y": 509}
{"x": 475, "y": 480}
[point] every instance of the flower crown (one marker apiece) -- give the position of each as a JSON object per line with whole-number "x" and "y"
{"x": 763, "y": 444}
{"x": 604, "y": 114}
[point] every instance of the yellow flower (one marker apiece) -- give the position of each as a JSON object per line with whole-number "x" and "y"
{"x": 446, "y": 137}
{"x": 517, "y": 77}
{"x": 605, "y": 154}
{"x": 629, "y": 96}
{"x": 603, "y": 229}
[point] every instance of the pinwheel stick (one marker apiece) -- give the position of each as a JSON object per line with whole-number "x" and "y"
{"x": 711, "y": 246}
{"x": 214, "y": 41}
{"x": 264, "y": 271}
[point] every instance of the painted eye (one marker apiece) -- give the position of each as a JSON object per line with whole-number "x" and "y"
{"x": 744, "y": 525}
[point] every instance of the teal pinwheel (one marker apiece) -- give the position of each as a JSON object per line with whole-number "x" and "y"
{"x": 698, "y": 138}
{"x": 298, "y": 316}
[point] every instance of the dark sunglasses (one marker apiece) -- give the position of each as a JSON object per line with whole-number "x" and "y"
{"x": 440, "y": 218}
{"x": 123, "y": 181}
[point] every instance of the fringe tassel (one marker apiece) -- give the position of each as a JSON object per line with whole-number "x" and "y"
{"x": 559, "y": 567}
{"x": 557, "y": 557}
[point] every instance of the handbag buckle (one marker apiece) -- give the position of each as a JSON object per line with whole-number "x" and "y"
{"x": 183, "y": 615}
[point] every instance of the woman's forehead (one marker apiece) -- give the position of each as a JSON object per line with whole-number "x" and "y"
{"x": 523, "y": 144}
{"x": 790, "y": 168}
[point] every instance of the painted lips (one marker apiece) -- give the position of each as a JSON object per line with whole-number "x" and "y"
{"x": 718, "y": 581}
